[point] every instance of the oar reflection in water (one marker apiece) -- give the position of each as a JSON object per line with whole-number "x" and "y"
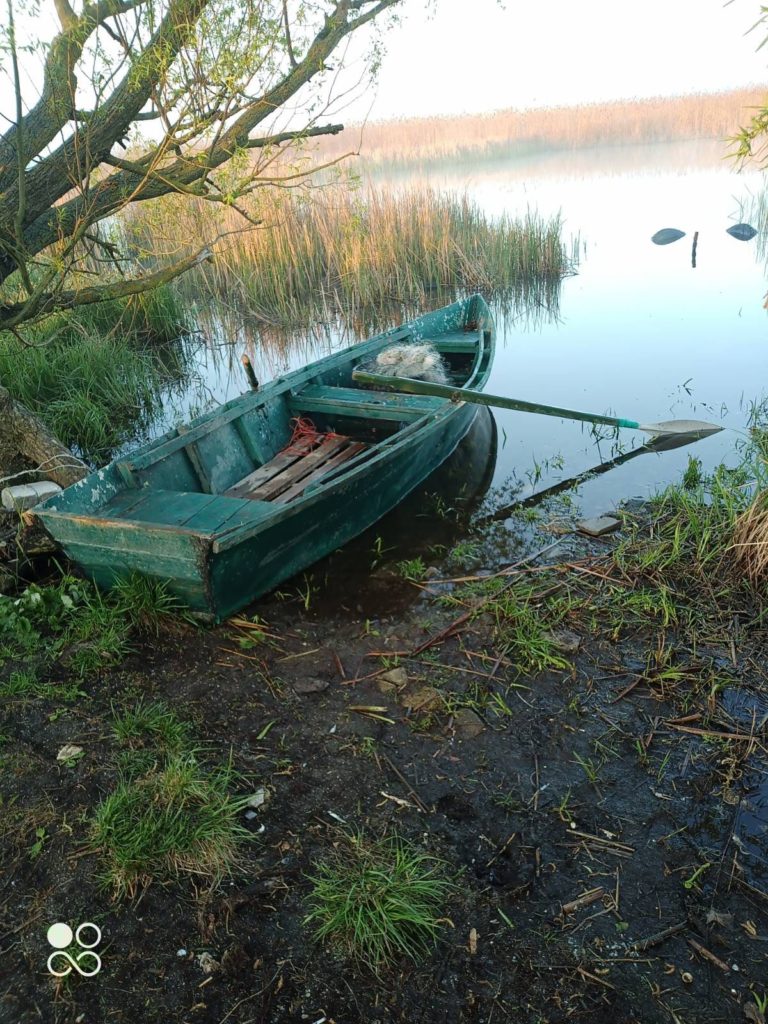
{"x": 660, "y": 444}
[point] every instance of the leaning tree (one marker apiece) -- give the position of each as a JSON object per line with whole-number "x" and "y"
{"x": 114, "y": 102}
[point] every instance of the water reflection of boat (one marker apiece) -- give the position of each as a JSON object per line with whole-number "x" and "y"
{"x": 437, "y": 511}
{"x": 429, "y": 522}
{"x": 228, "y": 506}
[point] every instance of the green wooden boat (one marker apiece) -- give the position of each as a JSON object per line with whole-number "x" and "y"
{"x": 229, "y": 505}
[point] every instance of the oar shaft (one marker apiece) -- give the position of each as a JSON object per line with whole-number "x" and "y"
{"x": 423, "y": 387}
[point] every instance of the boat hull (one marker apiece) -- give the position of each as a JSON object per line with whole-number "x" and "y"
{"x": 190, "y": 508}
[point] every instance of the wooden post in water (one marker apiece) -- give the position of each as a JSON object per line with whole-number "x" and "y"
{"x": 250, "y": 373}
{"x": 693, "y": 248}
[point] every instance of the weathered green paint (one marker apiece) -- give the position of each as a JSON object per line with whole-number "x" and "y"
{"x": 458, "y": 342}
{"x": 163, "y": 510}
{"x": 359, "y": 403}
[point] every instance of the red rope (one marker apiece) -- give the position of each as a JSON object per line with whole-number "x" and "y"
{"x": 305, "y": 436}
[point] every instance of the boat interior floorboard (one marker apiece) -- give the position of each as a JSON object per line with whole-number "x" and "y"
{"x": 291, "y": 471}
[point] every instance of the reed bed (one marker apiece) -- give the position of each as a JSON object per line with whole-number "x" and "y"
{"x": 755, "y": 212}
{"x": 506, "y": 133}
{"x": 352, "y": 254}
{"x": 749, "y": 545}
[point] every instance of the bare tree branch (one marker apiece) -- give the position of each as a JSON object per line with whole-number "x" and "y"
{"x": 288, "y": 43}
{"x": 208, "y": 74}
{"x": 52, "y": 302}
{"x": 55, "y": 106}
{"x": 67, "y": 16}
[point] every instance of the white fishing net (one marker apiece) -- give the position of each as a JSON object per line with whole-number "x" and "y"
{"x": 420, "y": 361}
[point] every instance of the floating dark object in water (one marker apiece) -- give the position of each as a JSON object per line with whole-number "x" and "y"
{"x": 743, "y": 232}
{"x": 667, "y": 235}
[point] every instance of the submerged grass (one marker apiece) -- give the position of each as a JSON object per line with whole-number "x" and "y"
{"x": 356, "y": 253}
{"x": 378, "y": 901}
{"x": 96, "y": 376}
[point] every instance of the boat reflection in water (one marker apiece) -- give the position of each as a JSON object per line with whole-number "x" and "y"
{"x": 359, "y": 577}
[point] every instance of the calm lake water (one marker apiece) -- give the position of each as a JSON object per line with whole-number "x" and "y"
{"x": 639, "y": 331}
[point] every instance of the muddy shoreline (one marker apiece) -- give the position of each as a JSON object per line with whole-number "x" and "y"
{"x": 595, "y": 816}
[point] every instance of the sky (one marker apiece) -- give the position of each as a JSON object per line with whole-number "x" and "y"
{"x": 479, "y": 55}
{"x": 475, "y": 56}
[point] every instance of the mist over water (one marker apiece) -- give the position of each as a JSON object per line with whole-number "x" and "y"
{"x": 637, "y": 331}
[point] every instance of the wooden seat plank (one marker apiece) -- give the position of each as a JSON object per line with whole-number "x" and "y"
{"x": 298, "y": 470}
{"x": 317, "y": 474}
{"x": 362, "y": 403}
{"x": 281, "y": 461}
{"x": 460, "y": 342}
{"x": 362, "y": 452}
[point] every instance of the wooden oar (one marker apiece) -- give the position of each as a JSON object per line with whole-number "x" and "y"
{"x": 691, "y": 428}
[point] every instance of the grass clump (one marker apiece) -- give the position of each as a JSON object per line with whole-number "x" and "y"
{"x": 21, "y": 685}
{"x": 693, "y": 532}
{"x": 146, "y": 602}
{"x": 378, "y": 900}
{"x": 412, "y": 569}
{"x": 79, "y": 627}
{"x": 97, "y": 635}
{"x": 750, "y": 540}
{"x": 176, "y": 819}
{"x": 151, "y": 723}
{"x": 523, "y": 625}
{"x": 70, "y": 623}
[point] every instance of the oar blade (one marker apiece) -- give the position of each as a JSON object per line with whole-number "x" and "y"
{"x": 691, "y": 428}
